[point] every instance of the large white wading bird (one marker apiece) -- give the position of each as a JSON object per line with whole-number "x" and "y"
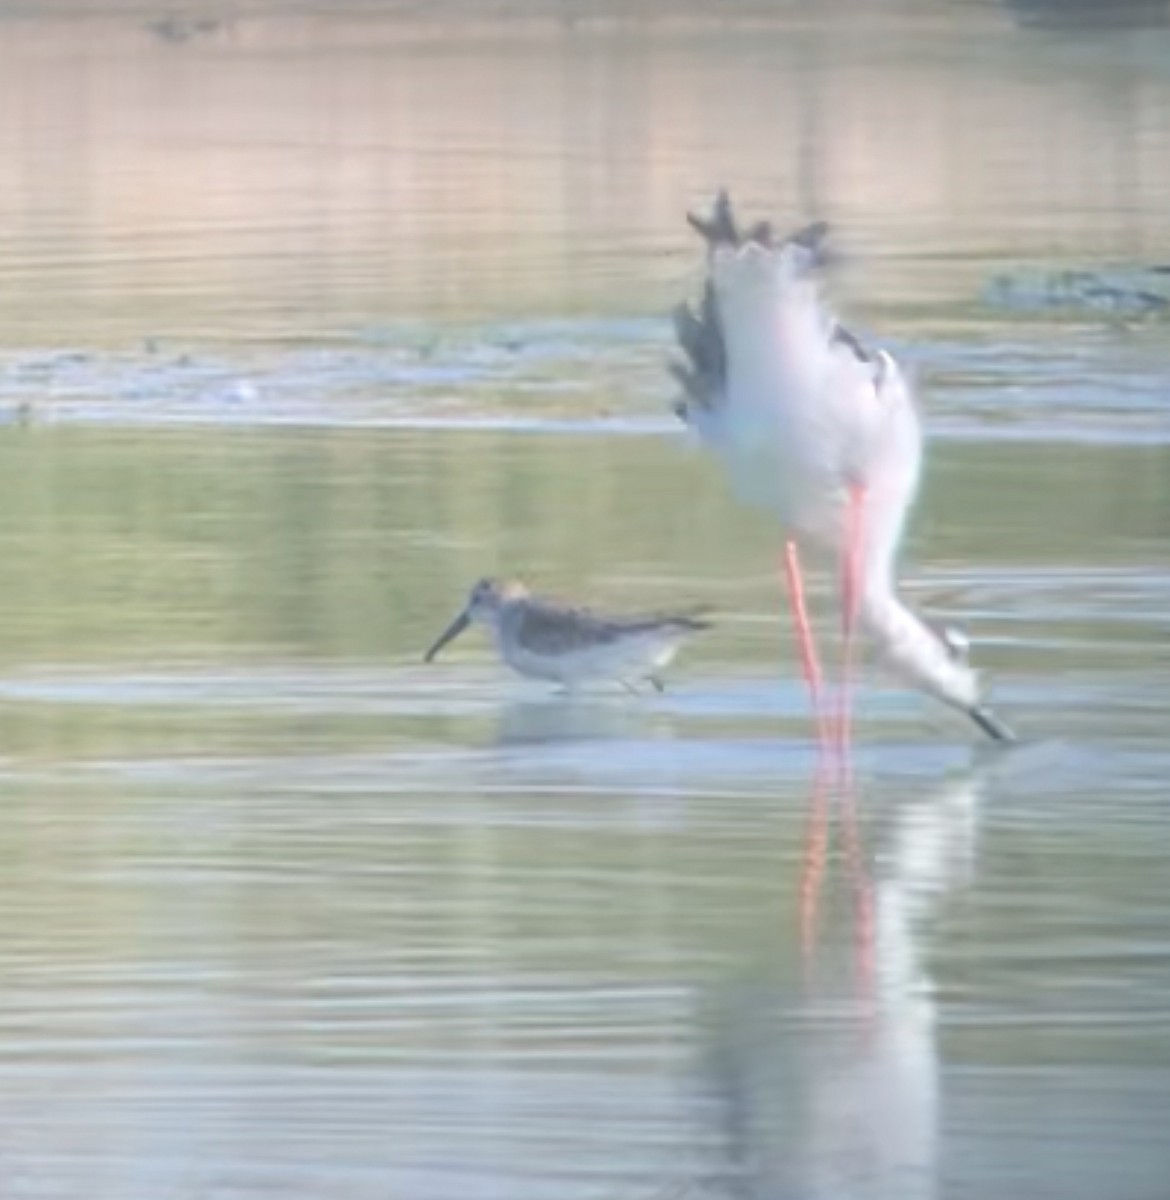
{"x": 824, "y": 433}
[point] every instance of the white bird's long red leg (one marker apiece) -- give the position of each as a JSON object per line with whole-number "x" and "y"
{"x": 816, "y": 840}
{"x": 809, "y": 663}
{"x": 852, "y": 577}
{"x": 817, "y": 836}
{"x": 852, "y": 574}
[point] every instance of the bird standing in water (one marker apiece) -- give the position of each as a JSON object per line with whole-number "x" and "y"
{"x": 824, "y": 433}
{"x": 545, "y": 640}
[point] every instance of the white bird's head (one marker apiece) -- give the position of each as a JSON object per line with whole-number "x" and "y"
{"x": 933, "y": 658}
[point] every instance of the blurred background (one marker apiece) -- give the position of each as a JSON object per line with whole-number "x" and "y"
{"x": 311, "y": 314}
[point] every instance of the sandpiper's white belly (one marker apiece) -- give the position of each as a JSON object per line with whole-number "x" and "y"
{"x": 631, "y": 657}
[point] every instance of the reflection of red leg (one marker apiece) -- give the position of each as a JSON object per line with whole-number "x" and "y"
{"x": 808, "y": 651}
{"x": 813, "y": 867}
{"x": 859, "y": 878}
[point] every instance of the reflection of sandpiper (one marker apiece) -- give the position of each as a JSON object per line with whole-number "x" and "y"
{"x": 823, "y": 432}
{"x": 568, "y": 645}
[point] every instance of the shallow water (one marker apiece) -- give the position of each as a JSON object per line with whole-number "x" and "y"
{"x": 299, "y": 338}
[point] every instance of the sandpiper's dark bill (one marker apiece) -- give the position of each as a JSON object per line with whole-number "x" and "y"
{"x": 449, "y": 634}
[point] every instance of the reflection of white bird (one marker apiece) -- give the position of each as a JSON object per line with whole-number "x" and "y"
{"x": 821, "y": 431}
{"x": 835, "y": 1091}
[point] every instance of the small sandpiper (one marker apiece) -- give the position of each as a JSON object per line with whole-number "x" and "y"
{"x": 571, "y": 646}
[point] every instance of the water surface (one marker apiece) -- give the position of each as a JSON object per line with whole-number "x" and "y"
{"x": 309, "y": 320}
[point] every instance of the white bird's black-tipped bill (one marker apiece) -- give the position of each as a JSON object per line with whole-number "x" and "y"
{"x": 990, "y": 724}
{"x": 449, "y": 634}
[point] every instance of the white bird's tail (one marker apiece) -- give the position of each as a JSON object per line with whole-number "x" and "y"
{"x": 734, "y": 310}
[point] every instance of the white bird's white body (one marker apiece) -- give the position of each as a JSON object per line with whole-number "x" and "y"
{"x": 802, "y": 416}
